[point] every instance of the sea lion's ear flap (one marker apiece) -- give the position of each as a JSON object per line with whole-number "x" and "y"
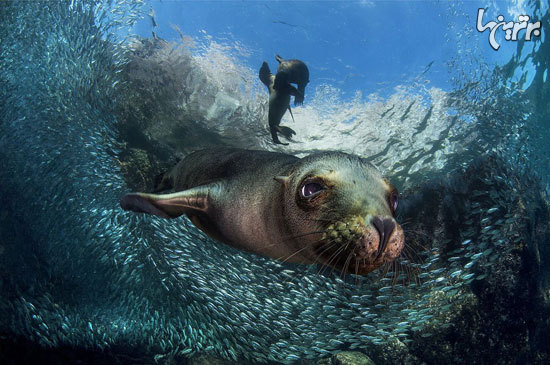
{"x": 282, "y": 179}
{"x": 169, "y": 205}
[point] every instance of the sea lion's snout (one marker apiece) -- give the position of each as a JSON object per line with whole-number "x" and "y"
{"x": 358, "y": 248}
{"x": 380, "y": 243}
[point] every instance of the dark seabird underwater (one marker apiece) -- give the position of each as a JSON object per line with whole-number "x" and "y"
{"x": 97, "y": 98}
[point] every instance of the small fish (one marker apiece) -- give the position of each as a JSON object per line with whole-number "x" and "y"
{"x": 456, "y": 273}
{"x": 152, "y": 16}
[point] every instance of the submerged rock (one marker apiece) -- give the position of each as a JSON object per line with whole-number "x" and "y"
{"x": 141, "y": 168}
{"x": 351, "y": 358}
{"x": 503, "y": 310}
{"x": 207, "y": 360}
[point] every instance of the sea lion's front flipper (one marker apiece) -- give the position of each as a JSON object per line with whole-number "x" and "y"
{"x": 265, "y": 74}
{"x": 170, "y": 205}
{"x": 299, "y": 95}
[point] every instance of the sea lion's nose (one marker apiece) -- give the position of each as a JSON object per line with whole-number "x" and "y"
{"x": 385, "y": 227}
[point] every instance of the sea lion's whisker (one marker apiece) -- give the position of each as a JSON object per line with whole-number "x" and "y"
{"x": 412, "y": 244}
{"x": 390, "y": 267}
{"x": 410, "y": 272}
{"x": 326, "y": 265}
{"x": 394, "y": 270}
{"x": 413, "y": 257}
{"x": 297, "y": 236}
{"x": 386, "y": 269}
{"x": 289, "y": 256}
{"x": 397, "y": 268}
{"x": 345, "y": 267}
{"x": 356, "y": 270}
{"x": 404, "y": 222}
{"x": 329, "y": 243}
{"x": 275, "y": 244}
{"x": 411, "y": 254}
{"x": 418, "y": 232}
{"x": 343, "y": 249}
{"x": 332, "y": 257}
{"x": 411, "y": 250}
{"x": 407, "y": 253}
{"x": 288, "y": 238}
{"x": 325, "y": 247}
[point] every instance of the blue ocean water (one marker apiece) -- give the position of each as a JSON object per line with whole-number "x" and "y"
{"x": 93, "y": 102}
{"x": 371, "y": 46}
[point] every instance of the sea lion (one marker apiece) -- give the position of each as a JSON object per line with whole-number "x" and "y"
{"x": 279, "y": 102}
{"x": 292, "y": 72}
{"x": 329, "y": 208}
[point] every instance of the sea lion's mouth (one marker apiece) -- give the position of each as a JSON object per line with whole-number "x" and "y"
{"x": 355, "y": 248}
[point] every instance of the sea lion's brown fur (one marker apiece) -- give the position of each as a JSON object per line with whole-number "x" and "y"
{"x": 279, "y": 102}
{"x": 329, "y": 208}
{"x": 292, "y": 72}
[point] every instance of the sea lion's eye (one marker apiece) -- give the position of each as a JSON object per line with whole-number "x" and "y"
{"x": 393, "y": 200}
{"x": 311, "y": 189}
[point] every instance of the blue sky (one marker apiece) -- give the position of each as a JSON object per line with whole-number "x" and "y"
{"x": 370, "y": 46}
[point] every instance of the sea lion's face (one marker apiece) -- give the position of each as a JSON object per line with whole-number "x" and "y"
{"x": 343, "y": 213}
